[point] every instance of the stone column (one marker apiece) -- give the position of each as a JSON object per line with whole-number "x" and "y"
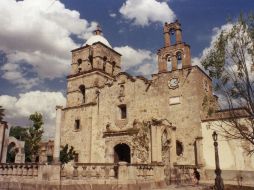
{"x": 3, "y": 126}
{"x": 109, "y": 153}
{"x": 166, "y": 35}
{"x": 154, "y": 144}
{"x": 166, "y": 39}
{"x": 174, "y": 62}
{"x": 57, "y": 134}
{"x": 122, "y": 171}
{"x": 178, "y": 36}
{"x": 198, "y": 149}
{"x": 159, "y": 148}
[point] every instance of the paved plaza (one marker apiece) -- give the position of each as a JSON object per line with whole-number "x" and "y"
{"x": 187, "y": 187}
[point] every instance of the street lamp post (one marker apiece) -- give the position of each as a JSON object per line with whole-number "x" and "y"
{"x": 218, "y": 180}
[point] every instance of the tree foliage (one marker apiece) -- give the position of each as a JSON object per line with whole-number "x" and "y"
{"x": 230, "y": 63}
{"x": 67, "y": 154}
{"x": 18, "y": 132}
{"x": 33, "y": 137}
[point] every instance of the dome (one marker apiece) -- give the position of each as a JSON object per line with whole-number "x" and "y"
{"x": 97, "y": 38}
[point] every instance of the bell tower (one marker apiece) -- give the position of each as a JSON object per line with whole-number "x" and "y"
{"x": 175, "y": 54}
{"x": 96, "y": 55}
{"x": 93, "y": 66}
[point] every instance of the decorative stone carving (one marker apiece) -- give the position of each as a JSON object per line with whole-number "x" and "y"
{"x": 109, "y": 82}
{"x": 141, "y": 141}
{"x": 121, "y": 123}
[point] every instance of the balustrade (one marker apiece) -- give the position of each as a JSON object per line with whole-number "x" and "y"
{"x": 89, "y": 170}
{"x": 24, "y": 170}
{"x": 107, "y": 171}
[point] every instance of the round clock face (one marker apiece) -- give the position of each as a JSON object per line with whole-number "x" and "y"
{"x": 173, "y": 83}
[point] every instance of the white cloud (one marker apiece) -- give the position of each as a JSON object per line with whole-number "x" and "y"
{"x": 230, "y": 65}
{"x": 147, "y": 69}
{"x": 113, "y": 15}
{"x": 16, "y": 75}
{"x": 143, "y": 12}
{"x": 17, "y": 110}
{"x": 39, "y": 36}
{"x": 216, "y": 33}
{"x": 135, "y": 59}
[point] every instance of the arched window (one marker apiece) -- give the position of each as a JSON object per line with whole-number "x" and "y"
{"x": 179, "y": 60}
{"x": 121, "y": 92}
{"x": 82, "y": 89}
{"x": 179, "y": 148}
{"x": 172, "y": 37}
{"x": 169, "y": 63}
{"x": 122, "y": 111}
{"x": 113, "y": 67}
{"x": 104, "y": 63}
{"x": 79, "y": 61}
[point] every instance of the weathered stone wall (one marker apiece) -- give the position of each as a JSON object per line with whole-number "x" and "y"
{"x": 144, "y": 100}
{"x": 175, "y": 96}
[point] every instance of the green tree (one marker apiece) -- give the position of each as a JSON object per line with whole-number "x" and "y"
{"x": 33, "y": 137}
{"x": 1, "y": 113}
{"x": 67, "y": 154}
{"x": 18, "y": 132}
{"x": 230, "y": 63}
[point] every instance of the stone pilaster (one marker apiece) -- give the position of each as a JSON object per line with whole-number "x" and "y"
{"x": 199, "y": 151}
{"x": 159, "y": 147}
{"x": 2, "y": 134}
{"x": 57, "y": 134}
{"x": 154, "y": 144}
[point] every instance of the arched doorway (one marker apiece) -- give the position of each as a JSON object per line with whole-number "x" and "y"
{"x": 11, "y": 152}
{"x": 122, "y": 152}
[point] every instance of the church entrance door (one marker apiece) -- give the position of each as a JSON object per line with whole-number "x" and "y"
{"x": 122, "y": 153}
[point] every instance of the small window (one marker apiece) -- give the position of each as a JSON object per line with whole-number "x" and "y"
{"x": 123, "y": 111}
{"x": 77, "y": 124}
{"x": 179, "y": 60}
{"x": 172, "y": 37}
{"x": 82, "y": 89}
{"x": 113, "y": 67}
{"x": 79, "y": 61}
{"x": 76, "y": 157}
{"x": 104, "y": 63}
{"x": 169, "y": 63}
{"x": 121, "y": 93}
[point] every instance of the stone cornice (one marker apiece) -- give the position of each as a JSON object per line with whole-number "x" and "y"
{"x": 130, "y": 131}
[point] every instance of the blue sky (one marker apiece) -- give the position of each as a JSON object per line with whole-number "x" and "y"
{"x": 37, "y": 36}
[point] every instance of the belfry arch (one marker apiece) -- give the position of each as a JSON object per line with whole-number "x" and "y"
{"x": 179, "y": 50}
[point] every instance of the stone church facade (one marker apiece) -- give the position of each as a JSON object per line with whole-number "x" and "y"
{"x": 106, "y": 108}
{"x": 131, "y": 132}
